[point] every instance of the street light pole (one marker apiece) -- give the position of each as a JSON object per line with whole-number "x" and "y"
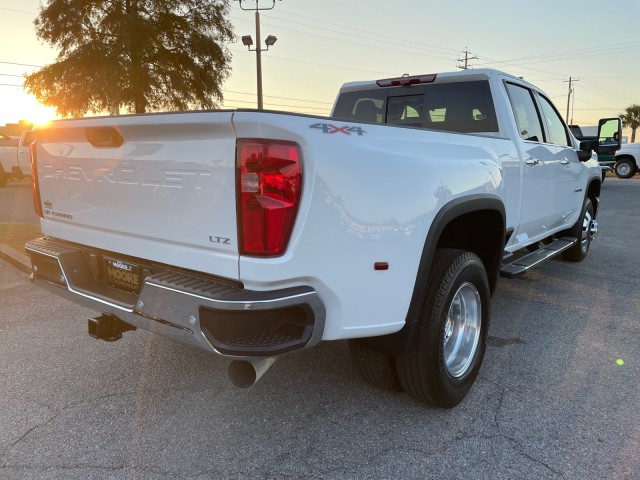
{"x": 259, "y": 58}
{"x": 247, "y": 41}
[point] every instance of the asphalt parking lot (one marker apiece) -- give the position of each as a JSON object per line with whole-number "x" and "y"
{"x": 558, "y": 395}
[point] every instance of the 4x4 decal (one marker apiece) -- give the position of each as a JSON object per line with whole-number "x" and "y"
{"x": 328, "y": 128}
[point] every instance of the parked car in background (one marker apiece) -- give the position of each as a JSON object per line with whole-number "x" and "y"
{"x": 627, "y": 157}
{"x": 14, "y": 157}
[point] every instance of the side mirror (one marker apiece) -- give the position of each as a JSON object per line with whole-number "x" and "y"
{"x": 609, "y": 134}
{"x": 586, "y": 148}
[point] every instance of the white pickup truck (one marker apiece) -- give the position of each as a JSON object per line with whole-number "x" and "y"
{"x": 14, "y": 157}
{"x": 251, "y": 234}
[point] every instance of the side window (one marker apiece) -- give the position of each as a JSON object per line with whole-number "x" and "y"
{"x": 555, "y": 125}
{"x": 526, "y": 114}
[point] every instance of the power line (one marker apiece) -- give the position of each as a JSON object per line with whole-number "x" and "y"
{"x": 322, "y": 64}
{"x": 315, "y": 35}
{"x": 232, "y": 101}
{"x": 606, "y": 93}
{"x": 328, "y": 65}
{"x": 420, "y": 51}
{"x": 21, "y": 64}
{"x": 550, "y": 58}
{"x": 600, "y": 50}
{"x": 17, "y": 11}
{"x": 375, "y": 34}
{"x": 282, "y": 98}
{"x": 520, "y": 62}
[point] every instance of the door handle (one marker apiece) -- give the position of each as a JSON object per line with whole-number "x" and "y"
{"x": 564, "y": 162}
{"x": 532, "y": 161}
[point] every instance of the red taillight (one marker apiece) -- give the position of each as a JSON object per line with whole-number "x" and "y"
{"x": 35, "y": 186}
{"x": 268, "y": 185}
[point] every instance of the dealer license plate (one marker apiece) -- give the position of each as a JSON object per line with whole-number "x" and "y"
{"x": 123, "y": 275}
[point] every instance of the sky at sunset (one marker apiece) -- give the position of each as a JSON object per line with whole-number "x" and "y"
{"x": 323, "y": 44}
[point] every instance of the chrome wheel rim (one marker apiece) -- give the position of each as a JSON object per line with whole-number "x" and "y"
{"x": 462, "y": 330}
{"x": 589, "y": 230}
{"x": 623, "y": 169}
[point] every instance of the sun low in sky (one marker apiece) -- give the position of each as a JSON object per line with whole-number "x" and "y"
{"x": 28, "y": 107}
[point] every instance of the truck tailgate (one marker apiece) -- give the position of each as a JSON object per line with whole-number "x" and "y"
{"x": 158, "y": 187}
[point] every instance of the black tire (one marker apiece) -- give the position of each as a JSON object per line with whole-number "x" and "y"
{"x": 374, "y": 368}
{"x": 3, "y": 177}
{"x": 625, "y": 168}
{"x": 583, "y": 231}
{"x": 429, "y": 371}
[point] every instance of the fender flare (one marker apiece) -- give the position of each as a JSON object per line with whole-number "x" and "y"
{"x": 397, "y": 343}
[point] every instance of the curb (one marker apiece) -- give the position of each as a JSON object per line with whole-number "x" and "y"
{"x": 15, "y": 258}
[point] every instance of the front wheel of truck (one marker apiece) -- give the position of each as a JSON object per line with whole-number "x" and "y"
{"x": 585, "y": 230}
{"x": 447, "y": 350}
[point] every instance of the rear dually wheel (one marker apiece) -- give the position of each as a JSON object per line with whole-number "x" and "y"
{"x": 447, "y": 350}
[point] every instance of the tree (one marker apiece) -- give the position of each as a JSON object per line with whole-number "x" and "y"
{"x": 140, "y": 55}
{"x": 631, "y": 118}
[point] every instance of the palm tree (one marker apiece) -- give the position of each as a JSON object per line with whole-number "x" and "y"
{"x": 631, "y": 118}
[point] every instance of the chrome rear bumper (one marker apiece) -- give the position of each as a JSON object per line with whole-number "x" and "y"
{"x": 200, "y": 310}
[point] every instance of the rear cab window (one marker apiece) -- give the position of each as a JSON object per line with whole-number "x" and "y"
{"x": 463, "y": 107}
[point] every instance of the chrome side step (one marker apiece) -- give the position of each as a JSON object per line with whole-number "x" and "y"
{"x": 522, "y": 265}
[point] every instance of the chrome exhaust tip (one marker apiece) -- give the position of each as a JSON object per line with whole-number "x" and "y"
{"x": 245, "y": 373}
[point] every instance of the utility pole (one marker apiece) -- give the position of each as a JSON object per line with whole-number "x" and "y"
{"x": 571, "y": 80}
{"x": 246, "y": 40}
{"x": 466, "y": 59}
